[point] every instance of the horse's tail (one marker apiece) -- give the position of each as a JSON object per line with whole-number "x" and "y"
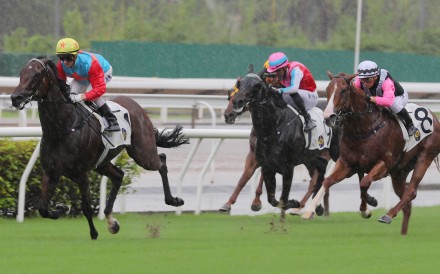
{"x": 437, "y": 163}
{"x": 170, "y": 139}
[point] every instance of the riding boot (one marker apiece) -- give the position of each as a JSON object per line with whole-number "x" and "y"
{"x": 406, "y": 119}
{"x": 105, "y": 112}
{"x": 299, "y": 103}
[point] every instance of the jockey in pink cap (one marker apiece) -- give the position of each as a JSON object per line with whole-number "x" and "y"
{"x": 300, "y": 87}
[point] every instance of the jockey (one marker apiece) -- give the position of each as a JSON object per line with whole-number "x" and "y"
{"x": 90, "y": 73}
{"x": 381, "y": 89}
{"x": 298, "y": 82}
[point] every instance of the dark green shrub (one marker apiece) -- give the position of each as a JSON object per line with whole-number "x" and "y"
{"x": 14, "y": 156}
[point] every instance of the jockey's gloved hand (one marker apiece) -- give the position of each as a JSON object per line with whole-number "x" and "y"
{"x": 277, "y": 90}
{"x": 75, "y": 98}
{"x": 367, "y": 98}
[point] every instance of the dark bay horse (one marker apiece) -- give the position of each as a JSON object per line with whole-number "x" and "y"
{"x": 372, "y": 142}
{"x": 280, "y": 143}
{"x": 72, "y": 144}
{"x": 251, "y": 164}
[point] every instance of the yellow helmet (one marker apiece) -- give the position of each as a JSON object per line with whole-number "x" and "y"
{"x": 67, "y": 46}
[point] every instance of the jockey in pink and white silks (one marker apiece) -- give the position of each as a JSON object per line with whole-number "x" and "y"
{"x": 90, "y": 72}
{"x": 299, "y": 85}
{"x": 380, "y": 88}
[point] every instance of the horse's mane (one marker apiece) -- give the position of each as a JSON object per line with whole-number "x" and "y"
{"x": 64, "y": 87}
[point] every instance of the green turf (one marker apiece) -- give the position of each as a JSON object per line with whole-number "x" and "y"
{"x": 217, "y": 243}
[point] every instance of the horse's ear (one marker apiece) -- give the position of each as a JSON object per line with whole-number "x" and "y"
{"x": 237, "y": 85}
{"x": 251, "y": 68}
{"x": 330, "y": 75}
{"x": 353, "y": 76}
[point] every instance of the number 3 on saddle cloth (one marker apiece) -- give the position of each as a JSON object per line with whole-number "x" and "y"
{"x": 319, "y": 137}
{"x": 422, "y": 120}
{"x": 112, "y": 140}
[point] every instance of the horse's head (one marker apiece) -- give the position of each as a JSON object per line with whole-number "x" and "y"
{"x": 230, "y": 114}
{"x": 338, "y": 92}
{"x": 36, "y": 79}
{"x": 250, "y": 89}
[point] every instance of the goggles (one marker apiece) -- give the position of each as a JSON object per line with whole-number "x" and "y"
{"x": 66, "y": 57}
{"x": 367, "y": 80}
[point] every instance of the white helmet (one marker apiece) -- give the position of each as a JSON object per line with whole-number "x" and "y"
{"x": 367, "y": 69}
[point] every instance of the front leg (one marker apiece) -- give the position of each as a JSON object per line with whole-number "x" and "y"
{"x": 48, "y": 185}
{"x": 378, "y": 172}
{"x": 270, "y": 183}
{"x": 340, "y": 172}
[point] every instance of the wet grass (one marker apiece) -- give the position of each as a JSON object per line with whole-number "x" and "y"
{"x": 218, "y": 243}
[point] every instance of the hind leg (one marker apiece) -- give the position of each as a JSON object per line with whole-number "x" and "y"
{"x": 115, "y": 175}
{"x": 146, "y": 156}
{"x": 250, "y": 166}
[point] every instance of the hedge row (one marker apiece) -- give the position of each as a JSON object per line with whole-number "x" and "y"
{"x": 14, "y": 156}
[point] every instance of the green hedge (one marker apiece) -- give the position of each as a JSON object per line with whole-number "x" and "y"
{"x": 14, "y": 156}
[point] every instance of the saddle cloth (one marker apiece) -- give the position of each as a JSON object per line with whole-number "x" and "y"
{"x": 422, "y": 120}
{"x": 112, "y": 140}
{"x": 319, "y": 137}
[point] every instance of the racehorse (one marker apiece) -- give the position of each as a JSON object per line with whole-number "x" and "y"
{"x": 251, "y": 164}
{"x": 71, "y": 143}
{"x": 280, "y": 143}
{"x": 372, "y": 142}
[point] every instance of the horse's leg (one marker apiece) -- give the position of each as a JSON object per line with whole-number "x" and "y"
{"x": 327, "y": 204}
{"x": 377, "y": 172}
{"x": 409, "y": 194}
{"x": 48, "y": 186}
{"x": 84, "y": 187}
{"x": 146, "y": 156}
{"x": 115, "y": 175}
{"x": 250, "y": 166}
{"x": 270, "y": 183}
{"x": 287, "y": 184}
{"x": 340, "y": 172}
{"x": 256, "y": 203}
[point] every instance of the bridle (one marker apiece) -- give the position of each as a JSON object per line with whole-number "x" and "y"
{"x": 37, "y": 86}
{"x": 344, "y": 114}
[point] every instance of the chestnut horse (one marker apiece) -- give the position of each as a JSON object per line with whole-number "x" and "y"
{"x": 372, "y": 142}
{"x": 72, "y": 143}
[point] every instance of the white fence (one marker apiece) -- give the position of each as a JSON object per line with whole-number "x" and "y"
{"x": 198, "y": 134}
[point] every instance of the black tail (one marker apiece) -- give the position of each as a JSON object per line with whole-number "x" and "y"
{"x": 171, "y": 139}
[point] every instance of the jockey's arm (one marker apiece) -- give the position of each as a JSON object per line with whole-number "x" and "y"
{"x": 295, "y": 79}
{"x": 96, "y": 79}
{"x": 388, "y": 90}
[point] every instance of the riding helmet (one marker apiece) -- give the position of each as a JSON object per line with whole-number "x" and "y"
{"x": 67, "y": 46}
{"x": 367, "y": 69}
{"x": 277, "y": 60}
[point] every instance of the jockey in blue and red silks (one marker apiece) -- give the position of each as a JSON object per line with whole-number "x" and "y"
{"x": 380, "y": 88}
{"x": 90, "y": 72}
{"x": 299, "y": 85}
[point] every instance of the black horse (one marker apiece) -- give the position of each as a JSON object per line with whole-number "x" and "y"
{"x": 72, "y": 144}
{"x": 280, "y": 143}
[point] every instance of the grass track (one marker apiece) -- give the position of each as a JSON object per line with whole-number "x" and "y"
{"x": 216, "y": 243}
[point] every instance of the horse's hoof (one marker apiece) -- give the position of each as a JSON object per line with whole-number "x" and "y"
{"x": 114, "y": 227}
{"x": 295, "y": 212}
{"x": 225, "y": 208}
{"x": 256, "y": 207}
{"x": 292, "y": 204}
{"x": 319, "y": 210}
{"x": 372, "y": 201}
{"x": 366, "y": 214}
{"x": 175, "y": 202}
{"x": 94, "y": 235}
{"x": 308, "y": 215}
{"x": 385, "y": 219}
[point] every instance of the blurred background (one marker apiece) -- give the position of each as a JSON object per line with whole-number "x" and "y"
{"x": 220, "y": 38}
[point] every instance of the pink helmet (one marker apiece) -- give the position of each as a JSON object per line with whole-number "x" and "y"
{"x": 277, "y": 60}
